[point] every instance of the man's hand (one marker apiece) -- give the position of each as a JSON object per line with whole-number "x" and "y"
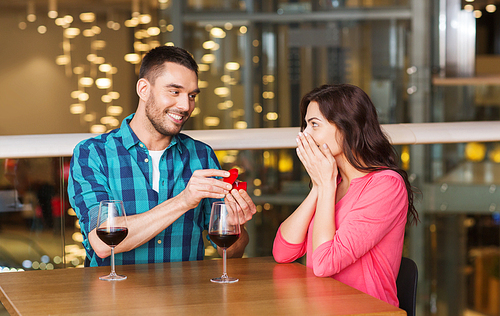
{"x": 204, "y": 185}
{"x": 244, "y": 205}
{"x": 238, "y": 248}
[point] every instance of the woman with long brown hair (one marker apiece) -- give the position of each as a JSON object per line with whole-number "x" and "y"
{"x": 352, "y": 223}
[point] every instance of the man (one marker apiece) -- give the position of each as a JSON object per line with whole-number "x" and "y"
{"x": 166, "y": 179}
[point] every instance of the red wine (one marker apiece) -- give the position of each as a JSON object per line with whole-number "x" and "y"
{"x": 112, "y": 236}
{"x": 224, "y": 241}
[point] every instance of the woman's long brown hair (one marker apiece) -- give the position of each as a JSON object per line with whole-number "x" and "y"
{"x": 365, "y": 145}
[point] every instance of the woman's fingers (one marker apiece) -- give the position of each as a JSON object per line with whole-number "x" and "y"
{"x": 328, "y": 154}
{"x": 310, "y": 145}
{"x": 317, "y": 159}
{"x": 302, "y": 154}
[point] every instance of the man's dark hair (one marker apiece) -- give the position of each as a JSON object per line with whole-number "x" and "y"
{"x": 154, "y": 61}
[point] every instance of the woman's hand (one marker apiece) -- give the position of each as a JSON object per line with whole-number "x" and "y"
{"x": 317, "y": 160}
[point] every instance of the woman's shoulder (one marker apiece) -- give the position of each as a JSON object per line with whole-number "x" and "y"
{"x": 384, "y": 175}
{"x": 387, "y": 173}
{"x": 382, "y": 184}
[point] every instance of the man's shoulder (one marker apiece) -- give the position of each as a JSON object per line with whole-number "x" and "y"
{"x": 191, "y": 142}
{"x": 98, "y": 141}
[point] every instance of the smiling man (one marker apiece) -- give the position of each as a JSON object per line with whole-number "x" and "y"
{"x": 166, "y": 180}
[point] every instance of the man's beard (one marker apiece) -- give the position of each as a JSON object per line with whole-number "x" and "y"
{"x": 155, "y": 117}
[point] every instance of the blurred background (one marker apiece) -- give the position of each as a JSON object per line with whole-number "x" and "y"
{"x": 71, "y": 66}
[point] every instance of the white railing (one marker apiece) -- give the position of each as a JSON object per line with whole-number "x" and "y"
{"x": 61, "y": 145}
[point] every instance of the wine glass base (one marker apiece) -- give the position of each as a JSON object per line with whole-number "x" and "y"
{"x": 224, "y": 280}
{"x": 111, "y": 277}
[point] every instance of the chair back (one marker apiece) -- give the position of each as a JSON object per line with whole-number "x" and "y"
{"x": 406, "y": 284}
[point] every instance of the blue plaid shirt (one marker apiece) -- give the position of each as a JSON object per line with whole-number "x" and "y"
{"x": 117, "y": 166}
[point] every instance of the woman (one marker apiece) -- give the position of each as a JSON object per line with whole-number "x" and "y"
{"x": 352, "y": 223}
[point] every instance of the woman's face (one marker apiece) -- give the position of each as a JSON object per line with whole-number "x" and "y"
{"x": 321, "y": 130}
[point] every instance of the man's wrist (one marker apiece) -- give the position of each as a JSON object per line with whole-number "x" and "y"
{"x": 182, "y": 201}
{"x": 238, "y": 248}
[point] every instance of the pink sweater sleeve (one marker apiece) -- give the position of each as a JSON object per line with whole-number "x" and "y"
{"x": 284, "y": 252}
{"x": 380, "y": 206}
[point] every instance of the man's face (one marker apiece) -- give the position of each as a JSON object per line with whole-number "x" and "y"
{"x": 172, "y": 99}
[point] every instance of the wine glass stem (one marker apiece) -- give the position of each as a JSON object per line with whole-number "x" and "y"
{"x": 224, "y": 274}
{"x": 113, "y": 260}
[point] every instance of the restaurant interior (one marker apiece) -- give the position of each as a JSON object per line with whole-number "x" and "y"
{"x": 71, "y": 66}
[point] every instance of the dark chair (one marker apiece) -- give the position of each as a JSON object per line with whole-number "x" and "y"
{"x": 406, "y": 284}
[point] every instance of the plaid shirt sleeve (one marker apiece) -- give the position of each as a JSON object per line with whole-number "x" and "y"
{"x": 207, "y": 203}
{"x": 87, "y": 186}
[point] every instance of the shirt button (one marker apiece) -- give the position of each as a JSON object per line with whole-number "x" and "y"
{"x": 146, "y": 160}
{"x": 142, "y": 145}
{"x": 159, "y": 241}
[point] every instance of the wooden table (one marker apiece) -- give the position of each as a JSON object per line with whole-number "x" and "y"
{"x": 184, "y": 288}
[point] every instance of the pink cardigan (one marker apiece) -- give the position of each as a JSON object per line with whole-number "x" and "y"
{"x": 366, "y": 250}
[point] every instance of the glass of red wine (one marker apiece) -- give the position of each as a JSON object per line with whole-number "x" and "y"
{"x": 112, "y": 229}
{"x": 224, "y": 230}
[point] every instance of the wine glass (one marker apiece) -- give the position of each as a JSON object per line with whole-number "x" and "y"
{"x": 112, "y": 229}
{"x": 224, "y": 230}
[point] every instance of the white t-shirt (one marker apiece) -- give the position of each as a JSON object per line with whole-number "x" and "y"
{"x": 155, "y": 159}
